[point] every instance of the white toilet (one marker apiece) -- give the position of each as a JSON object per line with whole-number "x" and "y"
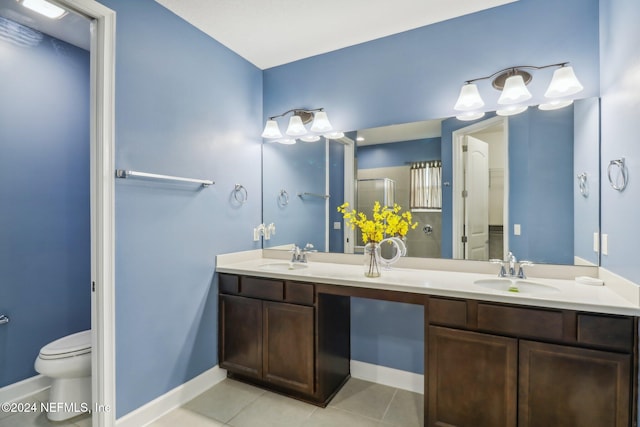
{"x": 67, "y": 361}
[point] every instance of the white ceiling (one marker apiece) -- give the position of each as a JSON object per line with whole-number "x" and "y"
{"x": 276, "y": 32}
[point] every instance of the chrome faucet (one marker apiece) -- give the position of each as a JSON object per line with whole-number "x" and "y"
{"x": 522, "y": 264}
{"x": 300, "y": 255}
{"x": 512, "y": 261}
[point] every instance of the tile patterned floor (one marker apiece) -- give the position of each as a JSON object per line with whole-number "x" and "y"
{"x": 39, "y": 419}
{"x": 358, "y": 404}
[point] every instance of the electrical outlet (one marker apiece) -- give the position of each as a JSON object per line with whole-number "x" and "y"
{"x": 337, "y": 225}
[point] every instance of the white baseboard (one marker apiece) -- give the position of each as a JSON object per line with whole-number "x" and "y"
{"x": 172, "y": 399}
{"x": 18, "y": 391}
{"x": 388, "y": 376}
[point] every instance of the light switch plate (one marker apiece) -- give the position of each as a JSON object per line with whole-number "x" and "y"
{"x": 337, "y": 225}
{"x": 605, "y": 244}
{"x": 516, "y": 229}
{"x": 596, "y": 242}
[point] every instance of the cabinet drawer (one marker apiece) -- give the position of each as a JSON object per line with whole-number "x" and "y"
{"x": 229, "y": 284}
{"x": 298, "y": 293}
{"x": 608, "y": 331}
{"x": 268, "y": 289}
{"x": 445, "y": 311}
{"x": 518, "y": 321}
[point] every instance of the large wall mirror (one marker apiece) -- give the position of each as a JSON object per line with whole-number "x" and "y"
{"x": 527, "y": 183}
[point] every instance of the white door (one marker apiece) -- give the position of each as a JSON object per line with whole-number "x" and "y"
{"x": 476, "y": 216}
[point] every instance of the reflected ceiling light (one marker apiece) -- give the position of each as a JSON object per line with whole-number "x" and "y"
{"x": 470, "y": 115}
{"x": 512, "y": 82}
{"x": 334, "y": 135}
{"x": 511, "y": 110}
{"x": 286, "y": 141}
{"x": 296, "y": 128}
{"x": 556, "y": 104}
{"x": 310, "y": 138}
{"x": 45, "y": 8}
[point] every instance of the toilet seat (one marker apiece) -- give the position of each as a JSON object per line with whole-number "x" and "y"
{"x": 69, "y": 346}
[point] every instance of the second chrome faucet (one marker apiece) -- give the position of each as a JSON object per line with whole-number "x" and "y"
{"x": 511, "y": 261}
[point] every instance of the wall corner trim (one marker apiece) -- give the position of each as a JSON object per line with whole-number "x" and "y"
{"x": 404, "y": 380}
{"x": 172, "y": 399}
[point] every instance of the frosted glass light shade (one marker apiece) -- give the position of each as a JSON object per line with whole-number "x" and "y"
{"x": 470, "y": 115}
{"x": 556, "y": 104}
{"x": 511, "y": 110}
{"x": 296, "y": 127}
{"x": 563, "y": 83}
{"x": 321, "y": 123}
{"x": 514, "y": 92}
{"x": 271, "y": 130}
{"x": 310, "y": 138}
{"x": 469, "y": 98}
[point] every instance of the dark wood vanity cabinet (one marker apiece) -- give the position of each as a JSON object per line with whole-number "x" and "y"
{"x": 472, "y": 379}
{"x": 271, "y": 334}
{"x": 493, "y": 364}
{"x": 565, "y": 386}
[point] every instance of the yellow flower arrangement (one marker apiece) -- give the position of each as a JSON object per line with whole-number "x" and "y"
{"x": 386, "y": 222}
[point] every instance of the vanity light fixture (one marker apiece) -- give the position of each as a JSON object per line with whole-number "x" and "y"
{"x": 45, "y": 8}
{"x": 297, "y": 129}
{"x": 512, "y": 82}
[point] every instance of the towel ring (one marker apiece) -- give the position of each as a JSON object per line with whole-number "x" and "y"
{"x": 621, "y": 178}
{"x": 240, "y": 193}
{"x": 283, "y": 198}
{"x": 582, "y": 184}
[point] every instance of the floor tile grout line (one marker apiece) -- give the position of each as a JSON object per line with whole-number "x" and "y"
{"x": 263, "y": 392}
{"x": 389, "y": 404}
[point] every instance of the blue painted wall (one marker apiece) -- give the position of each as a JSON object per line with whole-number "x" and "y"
{"x": 416, "y": 75}
{"x": 388, "y": 334}
{"x": 398, "y": 153}
{"x": 364, "y": 86}
{"x": 620, "y": 85}
{"x": 45, "y": 264}
{"x": 185, "y": 106}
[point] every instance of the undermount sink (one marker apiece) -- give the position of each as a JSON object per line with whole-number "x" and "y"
{"x": 283, "y": 266}
{"x": 516, "y": 286}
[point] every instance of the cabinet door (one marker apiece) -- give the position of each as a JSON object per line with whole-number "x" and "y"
{"x": 563, "y": 386}
{"x": 288, "y": 346}
{"x": 241, "y": 335}
{"x": 472, "y": 379}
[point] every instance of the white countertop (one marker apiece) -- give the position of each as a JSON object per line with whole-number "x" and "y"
{"x": 569, "y": 295}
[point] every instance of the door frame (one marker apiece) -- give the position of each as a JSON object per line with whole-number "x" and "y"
{"x": 102, "y": 183}
{"x": 457, "y": 212}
